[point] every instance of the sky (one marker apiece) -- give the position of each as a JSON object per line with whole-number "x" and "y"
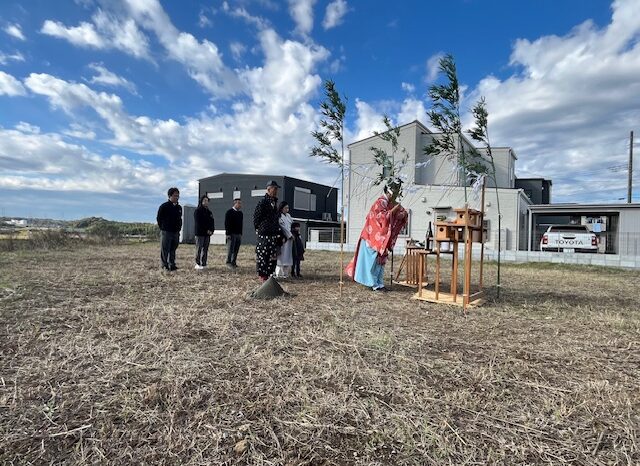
{"x": 105, "y": 104}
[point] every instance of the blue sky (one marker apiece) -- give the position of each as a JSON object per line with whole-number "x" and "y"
{"x": 106, "y": 103}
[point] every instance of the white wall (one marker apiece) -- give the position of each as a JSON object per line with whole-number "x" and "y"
{"x": 427, "y": 194}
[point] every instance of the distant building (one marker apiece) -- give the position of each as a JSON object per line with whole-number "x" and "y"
{"x": 435, "y": 186}
{"x": 18, "y": 223}
{"x": 538, "y": 190}
{"x": 312, "y": 204}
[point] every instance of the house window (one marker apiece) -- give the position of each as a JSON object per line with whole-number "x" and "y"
{"x": 215, "y": 195}
{"x": 258, "y": 192}
{"x": 302, "y": 199}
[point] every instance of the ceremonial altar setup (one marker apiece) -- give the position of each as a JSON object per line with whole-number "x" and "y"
{"x": 451, "y": 236}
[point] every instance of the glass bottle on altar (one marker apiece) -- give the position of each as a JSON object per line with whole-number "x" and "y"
{"x": 428, "y": 241}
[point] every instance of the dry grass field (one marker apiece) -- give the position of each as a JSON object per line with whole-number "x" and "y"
{"x": 105, "y": 359}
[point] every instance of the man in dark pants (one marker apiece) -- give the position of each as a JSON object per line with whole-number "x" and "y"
{"x": 204, "y": 226}
{"x": 169, "y": 220}
{"x": 267, "y": 225}
{"x": 233, "y": 230}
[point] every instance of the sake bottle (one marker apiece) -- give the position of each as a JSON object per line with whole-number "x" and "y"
{"x": 428, "y": 241}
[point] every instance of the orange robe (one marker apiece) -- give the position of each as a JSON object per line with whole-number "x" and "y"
{"x": 380, "y": 231}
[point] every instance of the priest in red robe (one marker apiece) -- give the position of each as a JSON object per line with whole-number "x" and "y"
{"x": 383, "y": 224}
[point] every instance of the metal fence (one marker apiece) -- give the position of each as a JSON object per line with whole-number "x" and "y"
{"x": 325, "y": 235}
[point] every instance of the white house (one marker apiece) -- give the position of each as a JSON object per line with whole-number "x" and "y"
{"x": 435, "y": 187}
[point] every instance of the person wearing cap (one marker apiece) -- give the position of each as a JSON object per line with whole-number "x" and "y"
{"x": 266, "y": 222}
{"x": 383, "y": 224}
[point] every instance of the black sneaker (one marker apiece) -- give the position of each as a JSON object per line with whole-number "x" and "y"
{"x": 383, "y": 289}
{"x": 173, "y": 268}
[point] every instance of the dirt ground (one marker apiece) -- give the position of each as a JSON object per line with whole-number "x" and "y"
{"x": 106, "y": 359}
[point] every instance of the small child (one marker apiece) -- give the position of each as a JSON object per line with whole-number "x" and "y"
{"x": 298, "y": 249}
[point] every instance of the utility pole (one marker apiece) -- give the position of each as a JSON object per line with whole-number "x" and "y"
{"x": 630, "y": 179}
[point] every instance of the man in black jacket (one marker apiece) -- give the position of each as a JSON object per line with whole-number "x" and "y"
{"x": 204, "y": 228}
{"x": 265, "y": 221}
{"x": 169, "y": 220}
{"x": 233, "y": 230}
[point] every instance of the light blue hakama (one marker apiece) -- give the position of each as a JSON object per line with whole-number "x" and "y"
{"x": 368, "y": 271}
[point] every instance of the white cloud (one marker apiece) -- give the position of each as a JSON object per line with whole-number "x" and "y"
{"x": 79, "y": 131}
{"x": 52, "y": 164}
{"x": 84, "y": 35}
{"x": 269, "y": 125}
{"x": 10, "y": 86}
{"x": 69, "y": 96}
{"x": 335, "y": 66}
{"x": 108, "y": 78}
{"x": 433, "y": 67}
{"x": 302, "y": 13}
{"x": 203, "y": 19}
{"x": 27, "y": 128}
{"x": 4, "y": 59}
{"x": 334, "y": 14}
{"x": 105, "y": 32}
{"x": 123, "y": 34}
{"x": 14, "y": 30}
{"x": 242, "y": 13}
{"x": 237, "y": 50}
{"x": 272, "y": 129}
{"x": 368, "y": 120}
{"x": 286, "y": 81}
{"x": 338, "y": 63}
{"x": 569, "y": 109}
{"x": 202, "y": 59}
{"x": 369, "y": 117}
{"x": 408, "y": 87}
{"x": 411, "y": 109}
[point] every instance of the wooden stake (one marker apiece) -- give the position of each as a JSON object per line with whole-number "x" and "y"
{"x": 437, "y": 289}
{"x": 454, "y": 270}
{"x": 484, "y": 182}
{"x": 468, "y": 249}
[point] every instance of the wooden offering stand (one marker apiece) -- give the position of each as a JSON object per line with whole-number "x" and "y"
{"x": 415, "y": 269}
{"x": 467, "y": 228}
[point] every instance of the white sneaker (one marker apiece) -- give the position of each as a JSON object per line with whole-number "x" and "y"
{"x": 198, "y": 267}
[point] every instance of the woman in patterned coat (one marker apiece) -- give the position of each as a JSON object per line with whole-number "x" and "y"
{"x": 266, "y": 223}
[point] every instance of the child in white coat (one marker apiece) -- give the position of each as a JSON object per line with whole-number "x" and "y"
{"x": 285, "y": 256}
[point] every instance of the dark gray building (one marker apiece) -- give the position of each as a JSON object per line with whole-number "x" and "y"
{"x": 313, "y": 205}
{"x": 538, "y": 190}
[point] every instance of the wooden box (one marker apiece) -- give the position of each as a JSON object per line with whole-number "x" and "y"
{"x": 474, "y": 217}
{"x": 479, "y": 236}
{"x": 444, "y": 231}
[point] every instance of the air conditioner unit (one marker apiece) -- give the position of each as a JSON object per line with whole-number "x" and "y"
{"x": 326, "y": 216}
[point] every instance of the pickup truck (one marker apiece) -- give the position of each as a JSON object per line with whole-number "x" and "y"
{"x": 569, "y": 238}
